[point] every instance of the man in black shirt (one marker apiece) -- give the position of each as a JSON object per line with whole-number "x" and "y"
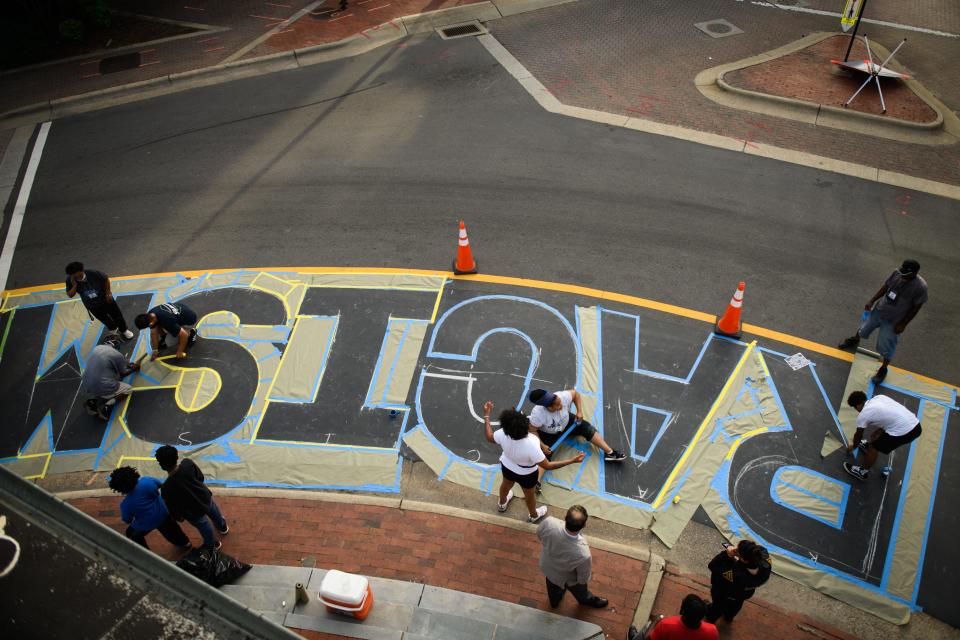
{"x": 174, "y": 319}
{"x": 187, "y": 498}
{"x": 94, "y": 289}
{"x": 735, "y": 574}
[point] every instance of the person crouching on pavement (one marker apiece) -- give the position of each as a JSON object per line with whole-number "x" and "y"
{"x": 103, "y": 378}
{"x": 521, "y": 458}
{"x": 896, "y": 426}
{"x": 173, "y": 319}
{"x": 735, "y": 573}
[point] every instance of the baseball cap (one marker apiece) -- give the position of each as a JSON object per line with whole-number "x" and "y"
{"x": 542, "y": 397}
{"x": 909, "y": 268}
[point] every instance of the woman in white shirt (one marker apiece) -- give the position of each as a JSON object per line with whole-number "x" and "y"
{"x": 521, "y": 458}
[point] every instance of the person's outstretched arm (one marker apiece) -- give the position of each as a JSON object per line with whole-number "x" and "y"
{"x": 487, "y": 408}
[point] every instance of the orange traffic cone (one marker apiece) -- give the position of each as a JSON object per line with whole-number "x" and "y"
{"x": 729, "y": 325}
{"x": 464, "y": 262}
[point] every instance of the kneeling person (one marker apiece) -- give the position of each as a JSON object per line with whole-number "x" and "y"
{"x": 897, "y": 426}
{"x": 175, "y": 319}
{"x": 103, "y": 378}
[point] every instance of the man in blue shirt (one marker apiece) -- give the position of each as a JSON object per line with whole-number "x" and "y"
{"x": 174, "y": 319}
{"x": 143, "y": 510}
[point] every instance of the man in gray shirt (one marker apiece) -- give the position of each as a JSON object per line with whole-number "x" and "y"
{"x": 565, "y": 558}
{"x": 103, "y": 378}
{"x": 891, "y": 309}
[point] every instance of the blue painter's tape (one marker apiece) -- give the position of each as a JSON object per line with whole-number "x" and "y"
{"x": 446, "y": 468}
{"x": 933, "y": 499}
{"x": 901, "y": 502}
{"x": 740, "y": 529}
{"x": 46, "y": 420}
{"x": 667, "y": 415}
{"x": 840, "y": 505}
{"x": 472, "y": 358}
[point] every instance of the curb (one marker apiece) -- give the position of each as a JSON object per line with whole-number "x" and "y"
{"x": 356, "y": 44}
{"x": 874, "y": 174}
{"x": 840, "y": 112}
{"x": 944, "y": 130}
{"x": 803, "y": 43}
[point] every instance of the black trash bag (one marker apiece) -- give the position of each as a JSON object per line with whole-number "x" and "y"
{"x": 213, "y": 567}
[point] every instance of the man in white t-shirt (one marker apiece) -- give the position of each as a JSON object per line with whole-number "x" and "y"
{"x": 551, "y": 415}
{"x": 897, "y": 426}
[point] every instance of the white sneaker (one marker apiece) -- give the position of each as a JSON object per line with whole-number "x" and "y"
{"x": 503, "y": 507}
{"x": 541, "y": 511}
{"x": 128, "y": 334}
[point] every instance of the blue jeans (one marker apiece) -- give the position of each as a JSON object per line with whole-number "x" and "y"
{"x": 203, "y": 524}
{"x": 886, "y": 339}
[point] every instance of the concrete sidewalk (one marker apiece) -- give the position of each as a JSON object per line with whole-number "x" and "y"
{"x": 481, "y": 554}
{"x": 223, "y": 33}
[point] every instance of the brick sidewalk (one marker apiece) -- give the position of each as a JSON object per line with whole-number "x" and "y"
{"x": 446, "y": 551}
{"x": 232, "y": 27}
{"x": 640, "y": 60}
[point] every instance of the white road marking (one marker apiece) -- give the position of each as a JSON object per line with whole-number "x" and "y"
{"x": 16, "y": 219}
{"x": 882, "y": 23}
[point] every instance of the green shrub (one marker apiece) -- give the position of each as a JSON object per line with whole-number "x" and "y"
{"x": 71, "y": 29}
{"x": 96, "y": 12}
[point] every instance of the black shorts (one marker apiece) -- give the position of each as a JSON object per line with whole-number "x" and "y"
{"x": 528, "y": 481}
{"x": 887, "y": 443}
{"x": 585, "y": 430}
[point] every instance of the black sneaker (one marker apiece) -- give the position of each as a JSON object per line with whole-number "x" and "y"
{"x": 850, "y": 343}
{"x": 539, "y": 488}
{"x": 193, "y": 336}
{"x": 597, "y": 602}
{"x": 91, "y": 407}
{"x": 863, "y": 446}
{"x": 857, "y": 472}
{"x": 225, "y": 530}
{"x": 614, "y": 456}
{"x": 881, "y": 374}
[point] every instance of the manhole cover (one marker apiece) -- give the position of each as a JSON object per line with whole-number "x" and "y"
{"x": 718, "y": 28}
{"x": 120, "y": 63}
{"x": 464, "y": 30}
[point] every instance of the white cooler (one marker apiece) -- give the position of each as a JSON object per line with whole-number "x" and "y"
{"x": 347, "y": 594}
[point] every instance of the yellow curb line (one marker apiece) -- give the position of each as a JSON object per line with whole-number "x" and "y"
{"x": 636, "y": 301}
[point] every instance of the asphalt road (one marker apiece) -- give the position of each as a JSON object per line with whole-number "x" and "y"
{"x": 371, "y": 161}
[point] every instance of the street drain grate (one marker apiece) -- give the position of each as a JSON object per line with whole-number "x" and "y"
{"x": 718, "y": 28}
{"x": 123, "y": 62}
{"x": 463, "y": 30}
